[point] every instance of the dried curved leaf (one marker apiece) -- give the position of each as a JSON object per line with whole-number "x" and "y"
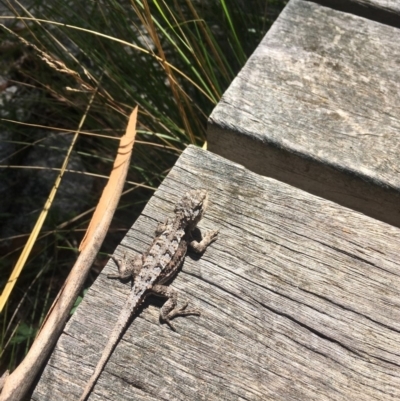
{"x": 18, "y": 383}
{"x": 116, "y": 181}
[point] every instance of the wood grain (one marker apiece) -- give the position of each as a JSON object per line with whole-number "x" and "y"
{"x": 317, "y": 106}
{"x": 300, "y": 300}
{"x": 384, "y": 11}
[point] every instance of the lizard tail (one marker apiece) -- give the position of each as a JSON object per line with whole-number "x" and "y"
{"x": 93, "y": 379}
{"x": 130, "y": 307}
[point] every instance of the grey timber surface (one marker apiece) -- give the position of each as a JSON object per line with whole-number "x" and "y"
{"x": 384, "y": 11}
{"x": 317, "y": 106}
{"x": 300, "y": 300}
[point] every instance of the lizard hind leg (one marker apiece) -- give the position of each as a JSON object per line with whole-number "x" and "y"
{"x": 169, "y": 310}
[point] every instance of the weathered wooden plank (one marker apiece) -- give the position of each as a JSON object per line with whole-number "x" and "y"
{"x": 317, "y": 106}
{"x": 384, "y": 11}
{"x": 300, "y": 300}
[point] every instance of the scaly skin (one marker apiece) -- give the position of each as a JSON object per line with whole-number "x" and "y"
{"x": 155, "y": 267}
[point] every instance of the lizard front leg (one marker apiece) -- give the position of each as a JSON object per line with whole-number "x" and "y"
{"x": 208, "y": 237}
{"x": 169, "y": 309}
{"x": 127, "y": 268}
{"x": 162, "y": 227}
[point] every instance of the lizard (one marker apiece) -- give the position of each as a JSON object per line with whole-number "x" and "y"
{"x": 153, "y": 268}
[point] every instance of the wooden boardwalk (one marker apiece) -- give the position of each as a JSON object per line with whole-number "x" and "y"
{"x": 300, "y": 300}
{"x": 317, "y": 106}
{"x": 385, "y": 11}
{"x": 300, "y": 295}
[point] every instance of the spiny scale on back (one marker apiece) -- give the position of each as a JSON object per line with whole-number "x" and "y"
{"x": 161, "y": 250}
{"x": 156, "y": 266}
{"x": 188, "y": 212}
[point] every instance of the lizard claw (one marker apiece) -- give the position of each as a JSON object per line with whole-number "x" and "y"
{"x": 171, "y": 326}
{"x": 183, "y": 312}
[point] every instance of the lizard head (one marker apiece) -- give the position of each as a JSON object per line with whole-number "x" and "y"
{"x": 192, "y": 206}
